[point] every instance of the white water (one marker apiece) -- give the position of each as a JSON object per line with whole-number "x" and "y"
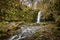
{"x": 25, "y": 32}
{"x": 39, "y": 17}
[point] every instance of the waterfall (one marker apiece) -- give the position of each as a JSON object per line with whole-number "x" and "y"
{"x": 35, "y": 4}
{"x": 39, "y": 17}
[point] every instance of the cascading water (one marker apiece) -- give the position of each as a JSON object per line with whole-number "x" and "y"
{"x": 39, "y": 17}
{"x": 25, "y": 32}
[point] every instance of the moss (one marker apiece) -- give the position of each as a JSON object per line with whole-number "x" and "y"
{"x": 34, "y": 36}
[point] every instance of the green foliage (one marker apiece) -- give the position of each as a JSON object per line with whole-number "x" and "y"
{"x": 51, "y": 7}
{"x": 12, "y": 10}
{"x": 58, "y": 20}
{"x": 49, "y": 17}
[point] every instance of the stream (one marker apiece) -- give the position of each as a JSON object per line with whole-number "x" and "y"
{"x": 25, "y": 32}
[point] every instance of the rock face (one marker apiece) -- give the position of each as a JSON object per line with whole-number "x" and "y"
{"x": 26, "y": 2}
{"x": 30, "y": 3}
